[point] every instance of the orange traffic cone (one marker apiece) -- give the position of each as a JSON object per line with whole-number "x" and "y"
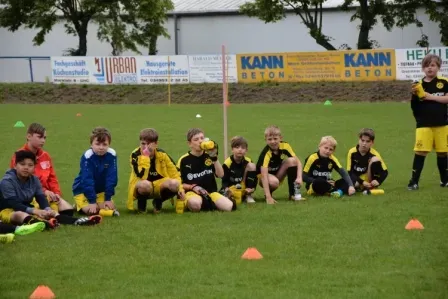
{"x": 251, "y": 254}
{"x": 78, "y": 114}
{"x": 414, "y": 224}
{"x": 42, "y": 292}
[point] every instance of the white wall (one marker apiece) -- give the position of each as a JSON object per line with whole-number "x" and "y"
{"x": 205, "y": 35}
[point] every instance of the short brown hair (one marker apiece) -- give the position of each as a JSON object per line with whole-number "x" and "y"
{"x": 238, "y": 141}
{"x": 368, "y": 133}
{"x": 36, "y": 128}
{"x": 149, "y": 135}
{"x": 431, "y": 58}
{"x": 192, "y": 132}
{"x": 101, "y": 134}
{"x": 272, "y": 131}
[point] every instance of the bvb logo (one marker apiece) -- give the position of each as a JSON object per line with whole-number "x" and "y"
{"x": 208, "y": 162}
{"x": 419, "y": 144}
{"x": 439, "y": 85}
{"x": 330, "y": 165}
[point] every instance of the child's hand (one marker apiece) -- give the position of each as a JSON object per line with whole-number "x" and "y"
{"x": 270, "y": 200}
{"x": 331, "y": 182}
{"x": 374, "y": 183}
{"x": 92, "y": 208}
{"x": 199, "y": 190}
{"x": 367, "y": 184}
{"x": 109, "y": 204}
{"x": 181, "y": 195}
{"x": 250, "y": 190}
{"x": 299, "y": 181}
{"x": 351, "y": 190}
{"x": 52, "y": 196}
{"x": 41, "y": 214}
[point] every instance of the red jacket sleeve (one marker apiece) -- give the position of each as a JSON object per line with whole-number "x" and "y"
{"x": 53, "y": 182}
{"x": 13, "y": 161}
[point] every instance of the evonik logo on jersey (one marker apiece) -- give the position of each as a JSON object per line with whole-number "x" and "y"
{"x": 192, "y": 176}
{"x": 121, "y": 70}
{"x": 326, "y": 174}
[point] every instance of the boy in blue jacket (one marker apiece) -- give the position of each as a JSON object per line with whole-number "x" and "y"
{"x": 95, "y": 184}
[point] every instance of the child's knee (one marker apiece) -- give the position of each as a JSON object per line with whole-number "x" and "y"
{"x": 194, "y": 204}
{"x": 421, "y": 153}
{"x": 18, "y": 217}
{"x": 251, "y": 167}
{"x": 144, "y": 187}
{"x": 173, "y": 185}
{"x": 374, "y": 159}
{"x": 291, "y": 162}
{"x": 224, "y": 204}
{"x": 274, "y": 183}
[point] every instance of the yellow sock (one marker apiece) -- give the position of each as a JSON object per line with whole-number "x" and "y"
{"x": 106, "y": 213}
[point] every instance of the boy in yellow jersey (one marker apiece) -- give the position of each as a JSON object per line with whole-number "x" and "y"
{"x": 429, "y": 106}
{"x": 198, "y": 169}
{"x": 240, "y": 175}
{"x": 318, "y": 168}
{"x": 153, "y": 174}
{"x": 365, "y": 166}
{"x": 277, "y": 160}
{"x": 95, "y": 184}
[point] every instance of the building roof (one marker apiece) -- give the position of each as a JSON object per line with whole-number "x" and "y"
{"x": 221, "y": 6}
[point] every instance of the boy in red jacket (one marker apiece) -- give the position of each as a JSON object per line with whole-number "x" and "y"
{"x": 44, "y": 170}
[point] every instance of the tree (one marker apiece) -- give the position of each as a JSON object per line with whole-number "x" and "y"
{"x": 309, "y": 11}
{"x": 122, "y": 23}
{"x": 436, "y": 10}
{"x": 141, "y": 25}
{"x": 368, "y": 12}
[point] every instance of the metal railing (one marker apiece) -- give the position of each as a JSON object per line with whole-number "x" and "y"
{"x": 30, "y": 62}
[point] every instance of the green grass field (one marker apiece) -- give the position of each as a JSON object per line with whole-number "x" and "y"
{"x": 354, "y": 247}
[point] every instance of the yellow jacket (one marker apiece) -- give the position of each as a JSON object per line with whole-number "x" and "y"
{"x": 145, "y": 168}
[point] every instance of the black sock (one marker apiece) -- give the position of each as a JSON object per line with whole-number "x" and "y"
{"x": 69, "y": 212}
{"x": 442, "y": 164}
{"x": 65, "y": 219}
{"x": 31, "y": 219}
{"x": 251, "y": 179}
{"x": 292, "y": 176}
{"x": 142, "y": 203}
{"x": 417, "y": 167}
{"x": 7, "y": 228}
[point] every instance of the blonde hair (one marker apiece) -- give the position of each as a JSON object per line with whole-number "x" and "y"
{"x": 272, "y": 131}
{"x": 328, "y": 140}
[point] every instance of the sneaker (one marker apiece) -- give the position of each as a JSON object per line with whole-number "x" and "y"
{"x": 51, "y": 223}
{"x": 7, "y": 238}
{"x": 27, "y": 229}
{"x": 336, "y": 194}
{"x": 250, "y": 199}
{"x": 297, "y": 194}
{"x": 412, "y": 185}
{"x": 116, "y": 213}
{"x": 443, "y": 184}
{"x": 92, "y": 220}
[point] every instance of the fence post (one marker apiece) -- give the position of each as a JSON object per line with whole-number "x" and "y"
{"x": 31, "y": 69}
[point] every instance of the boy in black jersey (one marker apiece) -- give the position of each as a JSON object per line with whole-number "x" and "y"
{"x": 430, "y": 112}
{"x": 365, "y": 166}
{"x": 239, "y": 171}
{"x": 277, "y": 160}
{"x": 198, "y": 170}
{"x": 318, "y": 168}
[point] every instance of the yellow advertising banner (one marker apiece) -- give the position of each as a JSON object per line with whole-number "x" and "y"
{"x": 261, "y": 67}
{"x": 359, "y": 65}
